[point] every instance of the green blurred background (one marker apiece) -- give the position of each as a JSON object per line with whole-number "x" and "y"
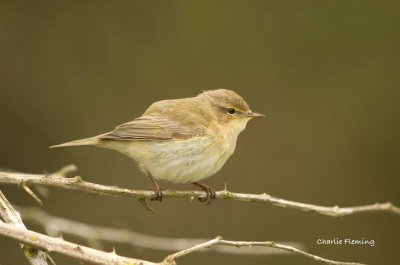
{"x": 325, "y": 72}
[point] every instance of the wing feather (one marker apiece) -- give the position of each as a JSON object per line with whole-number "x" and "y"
{"x": 150, "y": 127}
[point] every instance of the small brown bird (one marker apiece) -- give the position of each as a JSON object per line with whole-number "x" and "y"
{"x": 181, "y": 140}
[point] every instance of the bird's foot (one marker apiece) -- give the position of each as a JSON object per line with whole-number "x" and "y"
{"x": 157, "y": 194}
{"x": 157, "y": 191}
{"x": 210, "y": 193}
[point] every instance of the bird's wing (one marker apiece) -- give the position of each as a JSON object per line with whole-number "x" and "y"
{"x": 150, "y": 127}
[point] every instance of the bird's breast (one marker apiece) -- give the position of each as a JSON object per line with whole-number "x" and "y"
{"x": 180, "y": 161}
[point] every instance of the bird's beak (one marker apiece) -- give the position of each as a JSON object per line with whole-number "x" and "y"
{"x": 255, "y": 115}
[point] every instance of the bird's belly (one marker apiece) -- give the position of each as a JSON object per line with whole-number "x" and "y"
{"x": 179, "y": 161}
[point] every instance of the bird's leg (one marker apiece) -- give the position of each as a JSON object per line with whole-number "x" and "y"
{"x": 210, "y": 193}
{"x": 158, "y": 192}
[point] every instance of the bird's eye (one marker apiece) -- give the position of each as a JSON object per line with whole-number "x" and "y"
{"x": 231, "y": 111}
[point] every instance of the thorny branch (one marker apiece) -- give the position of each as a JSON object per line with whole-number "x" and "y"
{"x": 10, "y": 216}
{"x": 93, "y": 256}
{"x": 59, "y": 180}
{"x": 59, "y": 245}
{"x": 271, "y": 244}
{"x": 95, "y": 235}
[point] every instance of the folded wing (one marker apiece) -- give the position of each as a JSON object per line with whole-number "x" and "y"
{"x": 150, "y": 127}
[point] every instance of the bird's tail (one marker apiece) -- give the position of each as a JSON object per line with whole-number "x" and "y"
{"x": 86, "y": 141}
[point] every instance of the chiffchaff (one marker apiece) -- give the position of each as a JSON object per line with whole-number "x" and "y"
{"x": 181, "y": 140}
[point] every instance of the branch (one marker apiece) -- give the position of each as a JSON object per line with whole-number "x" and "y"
{"x": 9, "y": 215}
{"x": 59, "y": 245}
{"x": 77, "y": 184}
{"x": 219, "y": 241}
{"x": 93, "y": 256}
{"x": 55, "y": 226}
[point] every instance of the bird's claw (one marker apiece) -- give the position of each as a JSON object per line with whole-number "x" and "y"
{"x": 157, "y": 194}
{"x": 210, "y": 195}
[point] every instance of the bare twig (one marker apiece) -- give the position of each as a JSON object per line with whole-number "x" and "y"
{"x": 59, "y": 245}
{"x": 219, "y": 241}
{"x": 31, "y": 193}
{"x": 77, "y": 184}
{"x": 54, "y": 226}
{"x": 93, "y": 256}
{"x": 9, "y": 215}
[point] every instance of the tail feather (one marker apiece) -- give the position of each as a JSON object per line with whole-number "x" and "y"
{"x": 86, "y": 141}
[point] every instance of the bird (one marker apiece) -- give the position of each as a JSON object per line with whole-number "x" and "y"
{"x": 180, "y": 140}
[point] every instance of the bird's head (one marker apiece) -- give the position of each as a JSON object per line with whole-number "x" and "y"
{"x": 229, "y": 109}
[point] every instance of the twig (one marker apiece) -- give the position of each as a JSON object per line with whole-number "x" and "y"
{"x": 77, "y": 184}
{"x": 219, "y": 241}
{"x": 9, "y": 215}
{"x": 31, "y": 193}
{"x": 59, "y": 245}
{"x": 93, "y": 256}
{"x": 55, "y": 226}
